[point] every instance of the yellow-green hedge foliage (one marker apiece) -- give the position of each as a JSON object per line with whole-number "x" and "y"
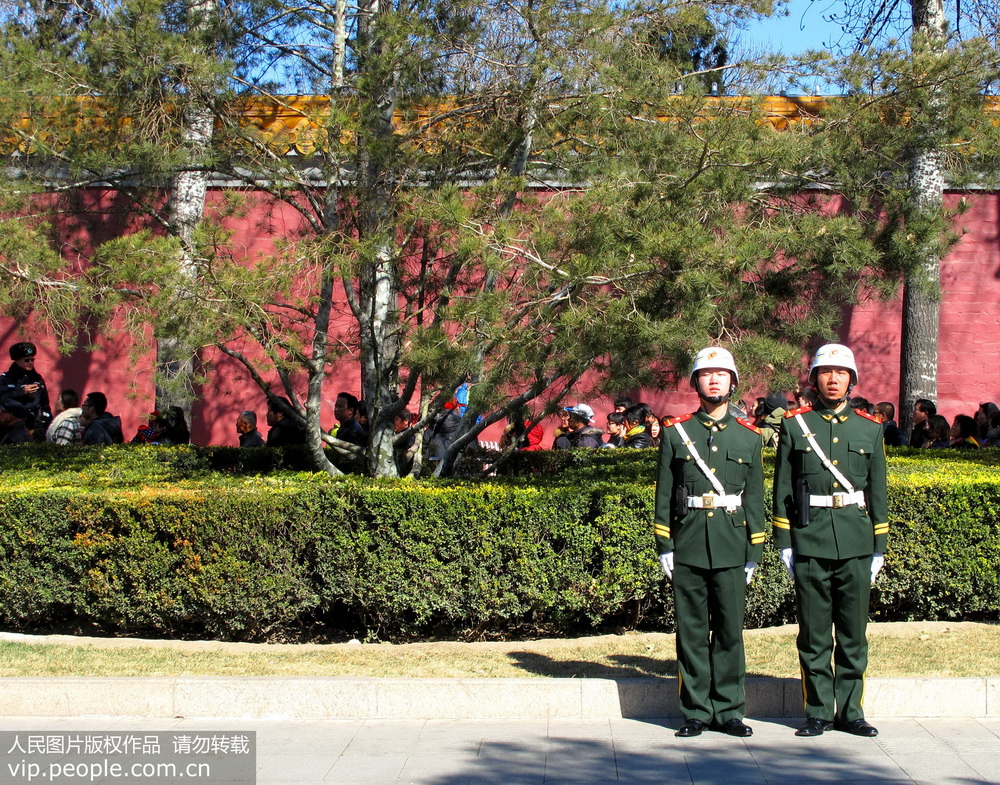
{"x": 187, "y": 542}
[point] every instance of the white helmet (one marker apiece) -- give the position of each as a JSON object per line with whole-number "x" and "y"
{"x": 715, "y": 357}
{"x": 834, "y": 355}
{"x": 582, "y": 411}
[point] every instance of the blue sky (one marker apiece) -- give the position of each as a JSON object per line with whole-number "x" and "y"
{"x": 804, "y": 28}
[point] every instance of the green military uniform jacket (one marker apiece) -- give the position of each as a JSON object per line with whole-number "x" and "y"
{"x": 852, "y": 440}
{"x": 707, "y": 538}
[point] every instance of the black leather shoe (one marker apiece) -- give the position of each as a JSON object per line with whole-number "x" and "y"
{"x": 858, "y": 728}
{"x": 690, "y": 728}
{"x": 733, "y": 727}
{"x": 814, "y": 727}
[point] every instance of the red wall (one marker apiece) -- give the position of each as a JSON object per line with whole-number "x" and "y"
{"x": 969, "y": 338}
{"x": 969, "y": 342}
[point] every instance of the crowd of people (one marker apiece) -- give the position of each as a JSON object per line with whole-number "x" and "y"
{"x": 26, "y": 416}
{"x": 636, "y": 425}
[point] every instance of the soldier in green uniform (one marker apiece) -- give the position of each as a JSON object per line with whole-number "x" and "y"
{"x": 709, "y": 529}
{"x": 831, "y": 526}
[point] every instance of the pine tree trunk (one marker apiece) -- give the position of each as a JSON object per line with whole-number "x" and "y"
{"x": 339, "y": 44}
{"x": 186, "y": 208}
{"x": 378, "y": 284}
{"x": 921, "y": 295}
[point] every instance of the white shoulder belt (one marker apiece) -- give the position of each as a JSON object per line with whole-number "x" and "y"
{"x": 837, "y": 499}
{"x": 708, "y": 501}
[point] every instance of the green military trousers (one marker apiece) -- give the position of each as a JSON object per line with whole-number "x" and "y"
{"x": 833, "y": 593}
{"x": 709, "y": 609}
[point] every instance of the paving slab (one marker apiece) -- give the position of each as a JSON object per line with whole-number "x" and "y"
{"x": 946, "y": 751}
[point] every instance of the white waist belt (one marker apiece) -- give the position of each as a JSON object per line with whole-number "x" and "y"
{"x": 712, "y": 501}
{"x": 838, "y": 500}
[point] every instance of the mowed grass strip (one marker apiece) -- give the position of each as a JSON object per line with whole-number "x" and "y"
{"x": 953, "y": 649}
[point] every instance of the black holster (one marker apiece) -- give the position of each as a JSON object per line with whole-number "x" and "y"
{"x": 680, "y": 502}
{"x": 802, "y": 503}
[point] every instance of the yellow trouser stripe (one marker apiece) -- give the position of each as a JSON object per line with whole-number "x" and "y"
{"x": 802, "y": 678}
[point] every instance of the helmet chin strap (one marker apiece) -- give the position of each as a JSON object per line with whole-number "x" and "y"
{"x": 836, "y": 403}
{"x": 715, "y": 400}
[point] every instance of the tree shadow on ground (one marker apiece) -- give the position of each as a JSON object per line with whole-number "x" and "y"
{"x": 615, "y": 666}
{"x": 523, "y": 753}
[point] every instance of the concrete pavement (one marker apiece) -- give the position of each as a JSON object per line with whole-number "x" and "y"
{"x": 587, "y": 751}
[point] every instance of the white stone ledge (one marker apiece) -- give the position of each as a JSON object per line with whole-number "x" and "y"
{"x": 359, "y": 698}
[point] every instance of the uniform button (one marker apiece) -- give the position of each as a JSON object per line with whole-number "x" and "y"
{"x": 809, "y": 449}
{"x": 835, "y": 462}
{"x": 739, "y": 460}
{"x": 714, "y": 448}
{"x": 715, "y": 427}
{"x": 861, "y": 451}
{"x": 836, "y": 439}
{"x": 711, "y": 514}
{"x": 836, "y": 485}
{"x": 713, "y": 471}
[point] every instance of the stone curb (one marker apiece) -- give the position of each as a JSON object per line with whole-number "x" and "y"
{"x": 397, "y": 699}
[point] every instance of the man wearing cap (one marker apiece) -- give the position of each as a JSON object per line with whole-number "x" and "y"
{"x": 581, "y": 433}
{"x": 23, "y": 384}
{"x": 831, "y": 526}
{"x": 709, "y": 529}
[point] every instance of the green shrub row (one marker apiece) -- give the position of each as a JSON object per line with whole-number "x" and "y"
{"x": 169, "y": 542}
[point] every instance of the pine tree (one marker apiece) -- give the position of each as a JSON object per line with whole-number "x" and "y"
{"x": 931, "y": 69}
{"x": 519, "y": 194}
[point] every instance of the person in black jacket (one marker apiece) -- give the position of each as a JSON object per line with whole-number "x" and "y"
{"x": 23, "y": 384}
{"x": 12, "y": 427}
{"x": 443, "y": 430}
{"x": 616, "y": 430}
{"x": 885, "y": 413}
{"x": 284, "y": 431}
{"x": 246, "y": 427}
{"x": 581, "y": 433}
{"x": 100, "y": 427}
{"x": 636, "y": 435}
{"x": 923, "y": 410}
{"x": 346, "y": 409}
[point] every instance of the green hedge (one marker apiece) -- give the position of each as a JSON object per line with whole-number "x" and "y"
{"x": 228, "y": 544}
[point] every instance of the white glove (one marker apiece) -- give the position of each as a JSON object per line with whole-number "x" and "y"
{"x": 788, "y": 559}
{"x": 667, "y": 563}
{"x": 878, "y": 562}
{"x": 748, "y": 568}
